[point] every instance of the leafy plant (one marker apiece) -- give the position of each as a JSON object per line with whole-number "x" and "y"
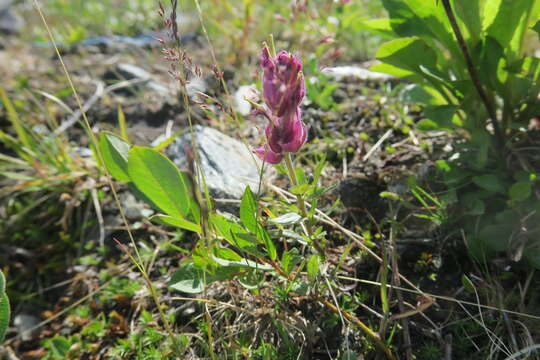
{"x": 4, "y": 308}
{"x": 474, "y": 79}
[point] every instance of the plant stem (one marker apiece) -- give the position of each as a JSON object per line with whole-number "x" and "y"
{"x": 499, "y": 136}
{"x": 378, "y": 342}
{"x": 302, "y": 204}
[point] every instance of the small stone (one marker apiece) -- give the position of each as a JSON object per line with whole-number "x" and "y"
{"x": 241, "y": 104}
{"x": 340, "y": 72}
{"x": 133, "y": 209}
{"x": 10, "y": 22}
{"x": 228, "y": 164}
{"x": 25, "y": 322}
{"x": 132, "y": 72}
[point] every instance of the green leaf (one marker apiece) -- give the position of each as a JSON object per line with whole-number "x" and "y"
{"x": 408, "y": 54}
{"x": 270, "y": 247}
{"x": 442, "y": 115}
{"x": 520, "y": 191}
{"x": 381, "y": 27}
{"x": 427, "y": 125}
{"x": 178, "y": 222}
{"x": 231, "y": 231}
{"x": 394, "y": 71}
{"x": 248, "y": 211}
{"x": 495, "y": 237}
{"x": 491, "y": 183}
{"x": 251, "y": 280}
{"x": 425, "y": 19}
{"x": 287, "y": 219}
{"x": 4, "y": 308}
{"x": 510, "y": 22}
{"x": 244, "y": 263}
{"x": 532, "y": 256}
{"x": 115, "y": 155}
{"x": 313, "y": 268}
{"x": 300, "y": 189}
{"x": 160, "y": 180}
{"x": 468, "y": 284}
{"x": 536, "y": 28}
{"x": 420, "y": 94}
{"x": 188, "y": 279}
{"x": 227, "y": 254}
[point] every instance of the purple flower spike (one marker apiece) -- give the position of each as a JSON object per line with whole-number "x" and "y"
{"x": 283, "y": 92}
{"x": 283, "y": 82}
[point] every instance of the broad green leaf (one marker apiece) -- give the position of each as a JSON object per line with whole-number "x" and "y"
{"x": 532, "y": 255}
{"x": 496, "y": 237}
{"x": 4, "y": 308}
{"x": 178, "y": 222}
{"x": 300, "y": 189}
{"x": 421, "y": 94}
{"x": 536, "y": 28}
{"x": 394, "y": 71}
{"x": 231, "y": 231}
{"x": 227, "y": 254}
{"x": 520, "y": 191}
{"x": 313, "y": 268}
{"x": 421, "y": 18}
{"x": 244, "y": 263}
{"x": 160, "y": 180}
{"x": 427, "y": 125}
{"x": 115, "y": 155}
{"x": 469, "y": 12}
{"x": 188, "y": 279}
{"x": 381, "y": 27}
{"x": 286, "y": 219}
{"x": 408, "y": 54}
{"x": 443, "y": 115}
{"x": 251, "y": 279}
{"x": 493, "y": 65}
{"x": 248, "y": 211}
{"x": 510, "y": 22}
{"x": 489, "y": 182}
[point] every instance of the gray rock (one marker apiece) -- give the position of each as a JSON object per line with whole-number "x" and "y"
{"x": 241, "y": 104}
{"x": 195, "y": 86}
{"x": 10, "y": 22}
{"x": 132, "y": 72}
{"x": 133, "y": 209}
{"x": 340, "y": 72}
{"x": 24, "y": 324}
{"x": 228, "y": 164}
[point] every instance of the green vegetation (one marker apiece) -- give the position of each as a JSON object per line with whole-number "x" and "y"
{"x": 405, "y": 226}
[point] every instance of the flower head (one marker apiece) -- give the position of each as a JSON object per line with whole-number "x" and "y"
{"x": 283, "y": 92}
{"x": 283, "y": 82}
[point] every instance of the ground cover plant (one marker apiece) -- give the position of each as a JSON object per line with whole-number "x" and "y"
{"x": 383, "y": 209}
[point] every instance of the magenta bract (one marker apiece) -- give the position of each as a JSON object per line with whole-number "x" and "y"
{"x": 283, "y": 92}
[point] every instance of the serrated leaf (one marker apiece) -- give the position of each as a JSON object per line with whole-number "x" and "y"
{"x": 287, "y": 219}
{"x": 115, "y": 152}
{"x": 159, "y": 179}
{"x": 181, "y": 223}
